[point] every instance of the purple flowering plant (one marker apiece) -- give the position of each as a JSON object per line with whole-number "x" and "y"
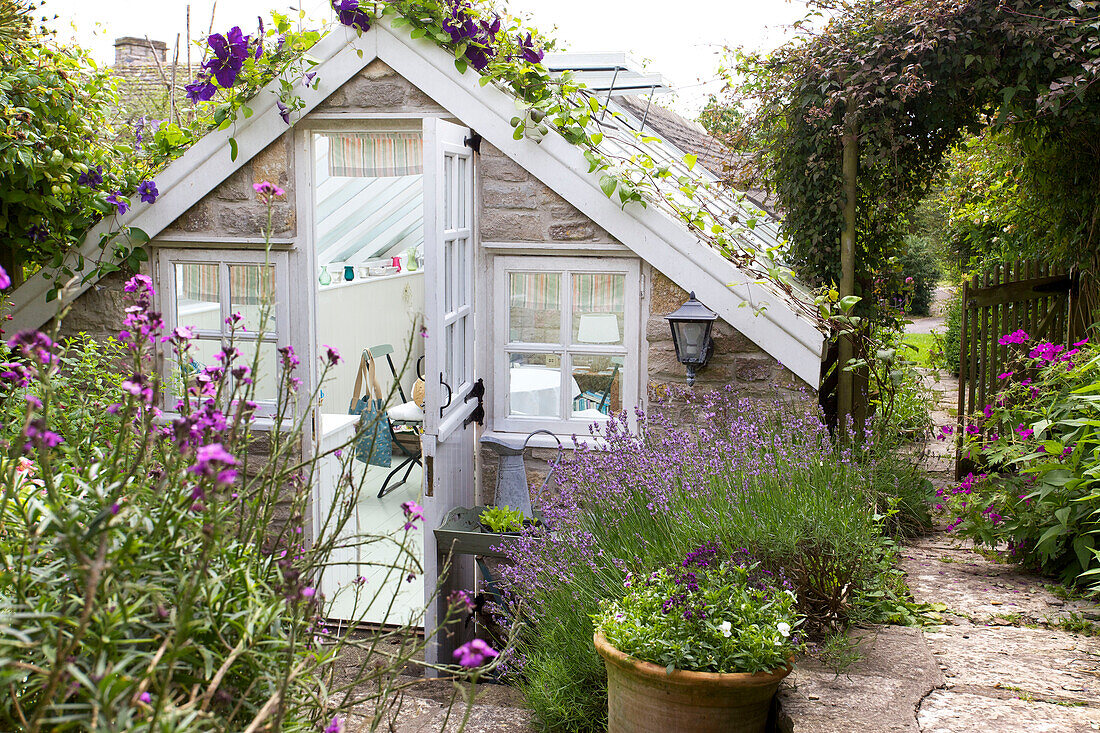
{"x": 1037, "y": 442}
{"x": 762, "y": 476}
{"x": 712, "y": 612}
{"x": 155, "y": 493}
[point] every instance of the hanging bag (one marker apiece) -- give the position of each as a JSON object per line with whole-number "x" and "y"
{"x": 373, "y": 442}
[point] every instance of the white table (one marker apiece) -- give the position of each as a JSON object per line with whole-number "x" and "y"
{"x": 536, "y": 390}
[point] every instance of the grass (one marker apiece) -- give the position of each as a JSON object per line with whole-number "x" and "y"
{"x": 923, "y": 343}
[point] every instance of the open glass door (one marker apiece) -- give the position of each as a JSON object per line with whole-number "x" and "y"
{"x": 450, "y": 412}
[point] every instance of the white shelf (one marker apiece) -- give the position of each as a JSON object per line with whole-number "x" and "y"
{"x": 337, "y": 284}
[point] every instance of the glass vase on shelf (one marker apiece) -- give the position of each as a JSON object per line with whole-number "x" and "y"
{"x": 324, "y": 278}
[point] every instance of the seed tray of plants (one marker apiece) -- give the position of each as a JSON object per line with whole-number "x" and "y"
{"x": 462, "y": 533}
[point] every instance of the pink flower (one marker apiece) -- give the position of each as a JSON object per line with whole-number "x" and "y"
{"x": 988, "y": 411}
{"x": 145, "y": 697}
{"x": 308, "y": 592}
{"x": 267, "y": 189}
{"x": 1024, "y": 432}
{"x": 413, "y": 513}
{"x": 335, "y": 726}
{"x": 1004, "y": 375}
{"x": 474, "y": 653}
{"x": 5, "y": 281}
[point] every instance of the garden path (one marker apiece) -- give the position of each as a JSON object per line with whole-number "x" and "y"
{"x": 1012, "y": 654}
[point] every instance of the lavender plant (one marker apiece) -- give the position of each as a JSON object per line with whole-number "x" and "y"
{"x": 765, "y": 477}
{"x": 155, "y": 569}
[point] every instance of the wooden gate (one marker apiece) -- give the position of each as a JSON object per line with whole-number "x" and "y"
{"x": 1024, "y": 295}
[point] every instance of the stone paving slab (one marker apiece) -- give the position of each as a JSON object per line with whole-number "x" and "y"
{"x": 497, "y": 709}
{"x": 943, "y": 571}
{"x": 1048, "y": 664}
{"x": 953, "y": 712}
{"x": 879, "y": 692}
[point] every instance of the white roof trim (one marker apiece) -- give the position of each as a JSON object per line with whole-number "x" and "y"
{"x": 787, "y": 335}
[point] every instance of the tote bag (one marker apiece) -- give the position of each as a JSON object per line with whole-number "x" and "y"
{"x": 373, "y": 444}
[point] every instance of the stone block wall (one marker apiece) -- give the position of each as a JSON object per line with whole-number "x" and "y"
{"x": 233, "y": 209}
{"x": 517, "y": 207}
{"x": 735, "y": 362}
{"x": 378, "y": 88}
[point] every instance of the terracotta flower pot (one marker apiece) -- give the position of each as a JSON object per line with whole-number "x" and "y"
{"x": 643, "y": 698}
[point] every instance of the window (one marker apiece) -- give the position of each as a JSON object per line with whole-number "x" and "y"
{"x": 201, "y": 288}
{"x": 571, "y": 333}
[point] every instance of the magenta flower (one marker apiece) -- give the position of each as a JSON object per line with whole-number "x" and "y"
{"x": 267, "y": 189}
{"x": 335, "y": 726}
{"x": 308, "y": 592}
{"x": 1016, "y": 337}
{"x": 474, "y": 653}
{"x": 1024, "y": 432}
{"x": 1004, "y": 375}
{"x": 987, "y": 411}
{"x": 5, "y": 281}
{"x": 212, "y": 459}
{"x": 413, "y": 513}
{"x": 460, "y": 598}
{"x": 145, "y": 697}
{"x": 332, "y": 356}
{"x": 148, "y": 191}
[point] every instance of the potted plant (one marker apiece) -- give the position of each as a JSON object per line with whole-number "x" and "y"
{"x": 505, "y": 520}
{"x": 699, "y": 646}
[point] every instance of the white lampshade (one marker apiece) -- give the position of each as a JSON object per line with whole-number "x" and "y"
{"x": 598, "y": 328}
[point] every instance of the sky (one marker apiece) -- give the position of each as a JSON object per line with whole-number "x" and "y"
{"x": 684, "y": 44}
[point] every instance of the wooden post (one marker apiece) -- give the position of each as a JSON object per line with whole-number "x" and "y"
{"x": 850, "y": 163}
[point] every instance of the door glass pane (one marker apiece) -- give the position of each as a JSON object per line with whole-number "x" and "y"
{"x": 460, "y": 273}
{"x": 458, "y": 355}
{"x": 448, "y": 277}
{"x": 448, "y": 191}
{"x": 534, "y": 385}
{"x": 534, "y": 307}
{"x": 461, "y": 194}
{"x": 197, "y": 298}
{"x": 599, "y": 308}
{"x": 250, "y": 287}
{"x": 598, "y": 379}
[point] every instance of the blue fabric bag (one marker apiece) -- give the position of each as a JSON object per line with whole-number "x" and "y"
{"x": 373, "y": 441}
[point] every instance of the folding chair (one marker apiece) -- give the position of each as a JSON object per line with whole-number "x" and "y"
{"x": 409, "y": 414}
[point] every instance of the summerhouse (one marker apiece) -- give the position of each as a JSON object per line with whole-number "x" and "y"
{"x": 415, "y": 225}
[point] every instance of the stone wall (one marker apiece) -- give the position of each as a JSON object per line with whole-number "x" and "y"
{"x": 517, "y": 207}
{"x": 735, "y": 362}
{"x": 232, "y": 209}
{"x": 378, "y": 88}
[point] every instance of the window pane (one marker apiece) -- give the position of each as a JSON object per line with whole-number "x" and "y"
{"x": 599, "y": 306}
{"x": 250, "y": 286}
{"x": 534, "y": 385}
{"x": 200, "y": 355}
{"x": 534, "y": 310}
{"x": 197, "y": 302}
{"x": 599, "y": 380}
{"x": 266, "y": 374}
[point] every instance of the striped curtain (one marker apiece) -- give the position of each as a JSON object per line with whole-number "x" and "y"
{"x": 537, "y": 290}
{"x": 247, "y": 283}
{"x": 596, "y": 293}
{"x": 375, "y": 154}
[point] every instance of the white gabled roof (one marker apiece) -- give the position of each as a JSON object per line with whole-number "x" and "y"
{"x": 780, "y": 329}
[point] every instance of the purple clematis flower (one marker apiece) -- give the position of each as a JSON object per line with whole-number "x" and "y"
{"x": 148, "y": 191}
{"x": 201, "y": 90}
{"x": 91, "y": 177}
{"x": 284, "y": 112}
{"x": 529, "y": 51}
{"x": 120, "y": 201}
{"x": 37, "y": 234}
{"x": 349, "y": 13}
{"x": 229, "y": 51}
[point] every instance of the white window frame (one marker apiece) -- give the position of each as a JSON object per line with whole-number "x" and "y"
{"x": 630, "y": 350}
{"x": 165, "y": 285}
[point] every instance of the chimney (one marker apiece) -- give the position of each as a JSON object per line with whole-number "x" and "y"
{"x": 130, "y": 50}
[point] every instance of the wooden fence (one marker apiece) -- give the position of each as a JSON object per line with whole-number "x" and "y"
{"x": 1023, "y": 295}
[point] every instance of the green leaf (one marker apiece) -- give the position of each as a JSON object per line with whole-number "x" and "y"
{"x": 138, "y": 236}
{"x": 461, "y": 65}
{"x": 608, "y": 184}
{"x": 690, "y": 160}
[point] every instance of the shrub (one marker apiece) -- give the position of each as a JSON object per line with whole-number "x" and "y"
{"x": 709, "y": 613}
{"x": 920, "y": 262}
{"x": 1040, "y": 442}
{"x": 949, "y": 343}
{"x": 156, "y": 576}
{"x": 764, "y": 478}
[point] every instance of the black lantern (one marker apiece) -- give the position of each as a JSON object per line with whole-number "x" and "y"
{"x": 691, "y": 325}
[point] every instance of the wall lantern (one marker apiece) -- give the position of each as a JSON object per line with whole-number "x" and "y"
{"x": 691, "y": 324}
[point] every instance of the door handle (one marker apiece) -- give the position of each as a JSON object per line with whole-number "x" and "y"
{"x": 450, "y": 393}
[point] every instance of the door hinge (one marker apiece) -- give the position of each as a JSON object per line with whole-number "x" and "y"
{"x": 473, "y": 142}
{"x": 476, "y": 392}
